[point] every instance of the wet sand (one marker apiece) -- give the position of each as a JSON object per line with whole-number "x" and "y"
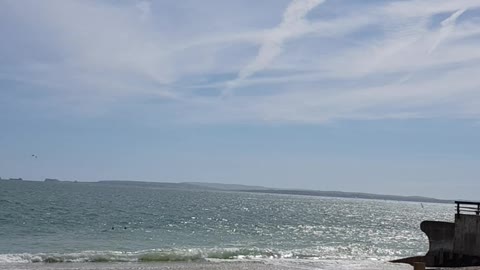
{"x": 280, "y": 265}
{"x": 327, "y": 265}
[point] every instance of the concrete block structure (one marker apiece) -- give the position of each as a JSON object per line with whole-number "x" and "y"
{"x": 454, "y": 244}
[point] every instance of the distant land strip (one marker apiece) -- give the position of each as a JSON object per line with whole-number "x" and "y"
{"x": 341, "y": 194}
{"x": 266, "y": 190}
{"x": 247, "y": 188}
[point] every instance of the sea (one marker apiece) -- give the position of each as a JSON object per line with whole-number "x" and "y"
{"x": 65, "y": 225}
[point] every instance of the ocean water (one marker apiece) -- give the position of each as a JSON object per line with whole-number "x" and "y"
{"x": 100, "y": 226}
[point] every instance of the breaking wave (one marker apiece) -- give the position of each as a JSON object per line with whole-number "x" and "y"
{"x": 174, "y": 255}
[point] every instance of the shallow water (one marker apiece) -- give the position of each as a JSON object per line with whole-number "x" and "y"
{"x": 82, "y": 222}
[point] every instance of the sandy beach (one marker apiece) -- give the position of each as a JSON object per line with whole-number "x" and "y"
{"x": 280, "y": 265}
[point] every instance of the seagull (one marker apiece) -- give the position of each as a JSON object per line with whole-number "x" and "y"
{"x": 34, "y": 156}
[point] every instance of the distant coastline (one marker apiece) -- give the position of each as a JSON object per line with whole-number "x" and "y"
{"x": 355, "y": 195}
{"x": 251, "y": 189}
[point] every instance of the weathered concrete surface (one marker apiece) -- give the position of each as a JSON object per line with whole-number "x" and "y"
{"x": 441, "y": 238}
{"x": 451, "y": 244}
{"x": 467, "y": 235}
{"x": 440, "y": 234}
{"x": 410, "y": 260}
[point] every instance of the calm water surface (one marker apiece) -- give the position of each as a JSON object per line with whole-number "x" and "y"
{"x": 84, "y": 223}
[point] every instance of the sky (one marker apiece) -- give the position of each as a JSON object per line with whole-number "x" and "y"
{"x": 368, "y": 96}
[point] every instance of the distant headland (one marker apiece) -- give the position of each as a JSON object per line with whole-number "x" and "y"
{"x": 11, "y": 179}
{"x": 244, "y": 188}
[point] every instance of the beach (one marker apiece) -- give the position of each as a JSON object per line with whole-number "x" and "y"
{"x": 208, "y": 266}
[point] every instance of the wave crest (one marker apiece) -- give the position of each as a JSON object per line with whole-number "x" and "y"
{"x": 173, "y": 255}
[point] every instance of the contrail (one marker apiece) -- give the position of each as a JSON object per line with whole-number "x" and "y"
{"x": 447, "y": 27}
{"x": 292, "y": 25}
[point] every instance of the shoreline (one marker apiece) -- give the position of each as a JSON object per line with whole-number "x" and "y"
{"x": 211, "y": 265}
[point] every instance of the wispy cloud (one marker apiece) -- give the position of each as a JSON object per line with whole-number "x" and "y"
{"x": 447, "y": 28}
{"x": 342, "y": 60}
{"x": 145, "y": 10}
{"x": 293, "y": 25}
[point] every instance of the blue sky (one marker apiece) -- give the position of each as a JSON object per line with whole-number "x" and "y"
{"x": 371, "y": 96}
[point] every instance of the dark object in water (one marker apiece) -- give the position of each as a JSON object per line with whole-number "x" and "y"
{"x": 452, "y": 244}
